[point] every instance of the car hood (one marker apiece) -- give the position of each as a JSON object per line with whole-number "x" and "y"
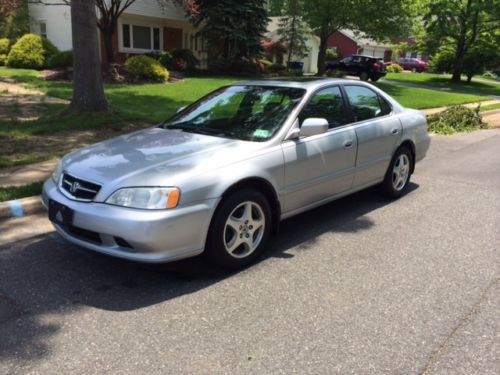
{"x": 153, "y": 157}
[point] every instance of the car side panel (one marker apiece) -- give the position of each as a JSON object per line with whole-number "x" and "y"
{"x": 415, "y": 130}
{"x": 377, "y": 141}
{"x": 318, "y": 167}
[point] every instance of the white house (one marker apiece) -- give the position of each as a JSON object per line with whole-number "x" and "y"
{"x": 143, "y": 27}
{"x": 311, "y": 60}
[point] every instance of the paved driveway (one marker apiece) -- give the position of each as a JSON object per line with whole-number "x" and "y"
{"x": 360, "y": 286}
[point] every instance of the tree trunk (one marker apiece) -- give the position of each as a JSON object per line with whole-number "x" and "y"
{"x": 107, "y": 35}
{"x": 291, "y": 44}
{"x": 458, "y": 63}
{"x": 88, "y": 91}
{"x": 323, "y": 45}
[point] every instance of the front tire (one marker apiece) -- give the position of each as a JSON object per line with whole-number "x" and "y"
{"x": 240, "y": 229}
{"x": 398, "y": 174}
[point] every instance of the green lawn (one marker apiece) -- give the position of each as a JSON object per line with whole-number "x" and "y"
{"x": 442, "y": 82}
{"x": 16, "y": 192}
{"x": 419, "y": 98}
{"x": 490, "y": 107}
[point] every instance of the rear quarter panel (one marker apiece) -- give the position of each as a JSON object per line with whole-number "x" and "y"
{"x": 414, "y": 125}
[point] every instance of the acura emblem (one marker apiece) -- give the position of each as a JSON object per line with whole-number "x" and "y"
{"x": 74, "y": 186}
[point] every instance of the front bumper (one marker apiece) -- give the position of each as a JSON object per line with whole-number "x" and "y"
{"x": 133, "y": 234}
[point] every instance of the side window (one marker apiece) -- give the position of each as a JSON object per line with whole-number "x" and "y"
{"x": 364, "y": 103}
{"x": 326, "y": 104}
{"x": 384, "y": 106}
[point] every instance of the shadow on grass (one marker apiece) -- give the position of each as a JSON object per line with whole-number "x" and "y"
{"x": 46, "y": 275}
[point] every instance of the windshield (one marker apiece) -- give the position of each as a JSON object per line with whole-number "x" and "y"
{"x": 251, "y": 113}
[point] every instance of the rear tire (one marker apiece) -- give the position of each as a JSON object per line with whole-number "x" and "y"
{"x": 240, "y": 229}
{"x": 364, "y": 76}
{"x": 398, "y": 174}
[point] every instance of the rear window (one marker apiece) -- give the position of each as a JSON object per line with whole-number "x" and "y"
{"x": 366, "y": 103}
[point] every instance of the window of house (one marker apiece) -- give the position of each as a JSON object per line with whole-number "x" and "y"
{"x": 365, "y": 103}
{"x": 43, "y": 29}
{"x": 126, "y": 36}
{"x": 141, "y": 37}
{"x": 327, "y": 104}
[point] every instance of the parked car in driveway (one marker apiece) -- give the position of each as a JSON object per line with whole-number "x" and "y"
{"x": 220, "y": 175}
{"x": 415, "y": 65}
{"x": 364, "y": 67}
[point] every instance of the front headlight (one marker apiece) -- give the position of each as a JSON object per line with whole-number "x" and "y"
{"x": 154, "y": 198}
{"x": 57, "y": 172}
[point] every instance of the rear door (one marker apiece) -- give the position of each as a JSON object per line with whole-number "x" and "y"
{"x": 378, "y": 132}
{"x": 320, "y": 166}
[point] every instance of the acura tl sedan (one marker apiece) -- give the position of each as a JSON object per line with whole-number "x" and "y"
{"x": 220, "y": 175}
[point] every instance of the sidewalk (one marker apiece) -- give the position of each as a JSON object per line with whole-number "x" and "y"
{"x": 26, "y": 174}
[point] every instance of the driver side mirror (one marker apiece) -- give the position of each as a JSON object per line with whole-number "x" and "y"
{"x": 313, "y": 126}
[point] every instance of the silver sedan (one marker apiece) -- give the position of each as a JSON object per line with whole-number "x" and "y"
{"x": 219, "y": 175}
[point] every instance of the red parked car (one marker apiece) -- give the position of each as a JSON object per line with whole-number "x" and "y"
{"x": 415, "y": 65}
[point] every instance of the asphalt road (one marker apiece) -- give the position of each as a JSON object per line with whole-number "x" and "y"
{"x": 361, "y": 286}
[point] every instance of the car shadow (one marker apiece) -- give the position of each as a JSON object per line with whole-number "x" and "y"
{"x": 47, "y": 275}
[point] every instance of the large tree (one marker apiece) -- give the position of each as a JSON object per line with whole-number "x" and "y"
{"x": 461, "y": 23}
{"x": 234, "y": 28}
{"x": 376, "y": 18}
{"x": 88, "y": 91}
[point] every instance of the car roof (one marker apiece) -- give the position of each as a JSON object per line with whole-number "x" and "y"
{"x": 295, "y": 82}
{"x": 367, "y": 56}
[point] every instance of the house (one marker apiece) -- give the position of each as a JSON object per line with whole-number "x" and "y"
{"x": 311, "y": 60}
{"x": 348, "y": 43}
{"x": 144, "y": 27}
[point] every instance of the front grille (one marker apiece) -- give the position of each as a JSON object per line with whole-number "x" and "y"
{"x": 78, "y": 188}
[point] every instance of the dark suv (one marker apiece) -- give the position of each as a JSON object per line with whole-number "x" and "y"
{"x": 365, "y": 67}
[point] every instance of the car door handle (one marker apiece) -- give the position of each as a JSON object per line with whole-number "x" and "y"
{"x": 348, "y": 144}
{"x": 394, "y": 131}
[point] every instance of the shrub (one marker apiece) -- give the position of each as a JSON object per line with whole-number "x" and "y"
{"x": 294, "y": 73}
{"x": 490, "y": 75}
{"x": 145, "y": 67}
{"x": 442, "y": 61}
{"x": 3, "y": 59}
{"x": 4, "y": 46}
{"x": 394, "y": 68}
{"x": 265, "y": 63}
{"x": 62, "y": 59}
{"x": 331, "y": 54}
{"x": 276, "y": 68}
{"x": 184, "y": 60}
{"x": 166, "y": 60}
{"x": 31, "y": 52}
{"x": 456, "y": 119}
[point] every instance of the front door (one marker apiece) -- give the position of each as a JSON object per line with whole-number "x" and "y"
{"x": 320, "y": 166}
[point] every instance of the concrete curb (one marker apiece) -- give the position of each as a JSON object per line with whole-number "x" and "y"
{"x": 21, "y": 207}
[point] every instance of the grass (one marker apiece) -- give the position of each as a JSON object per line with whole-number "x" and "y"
{"x": 15, "y": 192}
{"x": 489, "y": 107}
{"x": 419, "y": 98}
{"x": 443, "y": 82}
